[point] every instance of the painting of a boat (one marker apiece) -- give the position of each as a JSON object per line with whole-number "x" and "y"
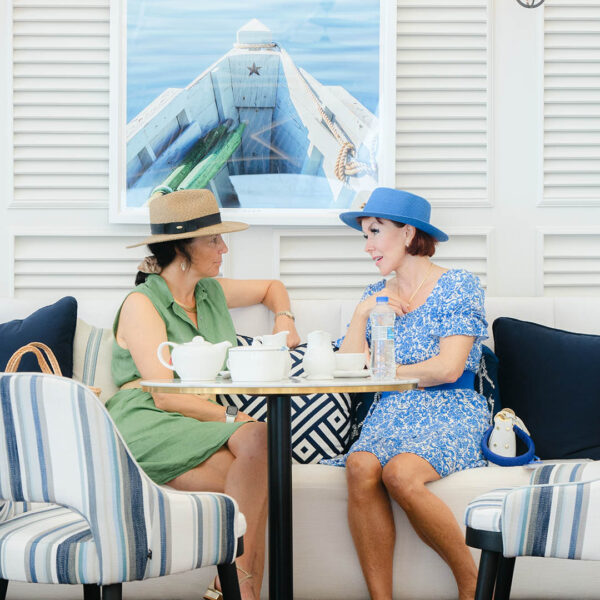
{"x": 258, "y": 131}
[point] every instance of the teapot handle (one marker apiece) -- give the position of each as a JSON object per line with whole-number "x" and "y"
{"x": 159, "y": 354}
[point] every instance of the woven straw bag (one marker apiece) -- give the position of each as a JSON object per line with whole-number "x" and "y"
{"x": 37, "y": 347}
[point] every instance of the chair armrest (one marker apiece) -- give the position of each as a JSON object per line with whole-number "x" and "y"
{"x": 565, "y": 472}
{"x": 551, "y": 520}
{"x": 189, "y": 530}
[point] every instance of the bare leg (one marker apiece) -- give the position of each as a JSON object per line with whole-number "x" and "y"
{"x": 405, "y": 477}
{"x": 240, "y": 470}
{"x": 371, "y": 522}
{"x": 247, "y": 483}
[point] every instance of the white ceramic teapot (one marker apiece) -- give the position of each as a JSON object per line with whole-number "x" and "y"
{"x": 319, "y": 360}
{"x": 197, "y": 360}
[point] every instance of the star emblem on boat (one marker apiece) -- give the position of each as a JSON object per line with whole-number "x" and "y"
{"x": 253, "y": 69}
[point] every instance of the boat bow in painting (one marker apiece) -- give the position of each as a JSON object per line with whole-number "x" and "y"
{"x": 257, "y": 130}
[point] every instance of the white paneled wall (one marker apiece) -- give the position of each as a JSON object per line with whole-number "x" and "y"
{"x": 572, "y": 103}
{"x": 442, "y": 103}
{"x": 571, "y": 262}
{"x": 73, "y": 262}
{"x": 497, "y": 123}
{"x": 332, "y": 264}
{"x": 60, "y": 102}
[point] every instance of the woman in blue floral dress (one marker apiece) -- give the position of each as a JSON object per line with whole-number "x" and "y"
{"x": 411, "y": 438}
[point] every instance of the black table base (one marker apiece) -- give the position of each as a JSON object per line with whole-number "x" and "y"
{"x": 281, "y": 565}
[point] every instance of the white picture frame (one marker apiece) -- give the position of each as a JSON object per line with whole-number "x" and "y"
{"x": 121, "y": 212}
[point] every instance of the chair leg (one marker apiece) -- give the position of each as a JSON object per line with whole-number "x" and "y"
{"x": 506, "y": 567}
{"x": 486, "y": 578}
{"x": 91, "y": 591}
{"x": 3, "y": 586}
{"x": 229, "y": 581}
{"x": 112, "y": 592}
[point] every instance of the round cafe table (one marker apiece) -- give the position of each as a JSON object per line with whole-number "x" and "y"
{"x": 279, "y": 449}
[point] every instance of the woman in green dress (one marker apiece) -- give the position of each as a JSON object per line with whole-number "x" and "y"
{"x": 188, "y": 441}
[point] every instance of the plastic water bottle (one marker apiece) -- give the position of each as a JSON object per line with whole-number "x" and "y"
{"x": 383, "y": 359}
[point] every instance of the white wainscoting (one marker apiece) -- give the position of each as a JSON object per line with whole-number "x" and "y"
{"x": 497, "y": 123}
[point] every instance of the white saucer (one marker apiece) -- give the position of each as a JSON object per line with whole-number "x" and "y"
{"x": 357, "y": 373}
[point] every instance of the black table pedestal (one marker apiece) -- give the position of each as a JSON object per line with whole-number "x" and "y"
{"x": 281, "y": 584}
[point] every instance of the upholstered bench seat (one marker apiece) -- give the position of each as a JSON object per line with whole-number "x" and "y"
{"x": 50, "y": 531}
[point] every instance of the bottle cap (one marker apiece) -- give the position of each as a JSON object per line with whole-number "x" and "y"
{"x": 381, "y": 299}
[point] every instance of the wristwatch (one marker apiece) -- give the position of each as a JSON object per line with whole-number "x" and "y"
{"x": 230, "y": 414}
{"x": 285, "y": 313}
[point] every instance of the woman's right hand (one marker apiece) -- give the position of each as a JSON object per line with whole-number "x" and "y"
{"x": 365, "y": 307}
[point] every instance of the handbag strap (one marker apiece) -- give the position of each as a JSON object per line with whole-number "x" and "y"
{"x": 509, "y": 461}
{"x": 36, "y": 347}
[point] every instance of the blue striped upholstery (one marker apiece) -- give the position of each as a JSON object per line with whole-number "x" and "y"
{"x": 60, "y": 446}
{"x": 12, "y": 509}
{"x": 91, "y": 355}
{"x": 556, "y": 519}
{"x": 485, "y": 512}
{"x": 49, "y": 530}
{"x": 552, "y": 520}
{"x": 566, "y": 472}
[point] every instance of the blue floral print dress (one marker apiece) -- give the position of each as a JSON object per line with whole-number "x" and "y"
{"x": 443, "y": 426}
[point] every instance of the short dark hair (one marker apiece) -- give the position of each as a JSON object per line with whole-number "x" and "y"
{"x": 422, "y": 243}
{"x": 165, "y": 253}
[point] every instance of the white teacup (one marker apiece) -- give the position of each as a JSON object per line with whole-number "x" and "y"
{"x": 349, "y": 361}
{"x": 273, "y": 339}
{"x": 258, "y": 363}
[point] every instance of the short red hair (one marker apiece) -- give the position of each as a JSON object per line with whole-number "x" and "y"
{"x": 422, "y": 243}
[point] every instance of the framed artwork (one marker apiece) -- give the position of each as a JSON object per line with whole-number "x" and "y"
{"x": 276, "y": 106}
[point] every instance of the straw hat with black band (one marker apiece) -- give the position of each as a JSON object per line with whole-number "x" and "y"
{"x": 186, "y": 214}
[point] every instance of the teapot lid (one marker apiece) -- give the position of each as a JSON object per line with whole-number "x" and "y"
{"x": 197, "y": 340}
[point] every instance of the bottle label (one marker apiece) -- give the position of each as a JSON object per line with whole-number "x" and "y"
{"x": 382, "y": 332}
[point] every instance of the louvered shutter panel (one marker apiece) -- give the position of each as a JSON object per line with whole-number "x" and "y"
{"x": 60, "y": 96}
{"x": 333, "y": 264}
{"x": 442, "y": 100}
{"x": 571, "y": 264}
{"x": 572, "y": 102}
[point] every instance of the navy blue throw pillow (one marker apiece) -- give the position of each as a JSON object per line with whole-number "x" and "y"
{"x": 551, "y": 379}
{"x": 486, "y": 379}
{"x": 52, "y": 325}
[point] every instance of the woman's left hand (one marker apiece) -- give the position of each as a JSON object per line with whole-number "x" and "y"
{"x": 284, "y": 323}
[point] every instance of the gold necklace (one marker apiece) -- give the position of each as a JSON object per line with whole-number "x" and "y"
{"x": 186, "y": 308}
{"x": 421, "y": 284}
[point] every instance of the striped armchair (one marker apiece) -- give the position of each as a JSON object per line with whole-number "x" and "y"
{"x": 555, "y": 516}
{"x": 101, "y": 520}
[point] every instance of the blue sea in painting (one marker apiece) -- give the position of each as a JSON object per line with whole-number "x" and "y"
{"x": 170, "y": 42}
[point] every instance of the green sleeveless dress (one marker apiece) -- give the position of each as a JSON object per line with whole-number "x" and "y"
{"x": 167, "y": 444}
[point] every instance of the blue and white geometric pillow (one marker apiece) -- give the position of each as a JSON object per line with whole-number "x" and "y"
{"x": 320, "y": 422}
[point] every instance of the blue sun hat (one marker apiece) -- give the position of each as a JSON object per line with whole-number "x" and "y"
{"x": 396, "y": 205}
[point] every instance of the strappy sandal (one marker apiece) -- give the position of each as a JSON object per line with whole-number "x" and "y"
{"x": 212, "y": 593}
{"x": 246, "y": 575}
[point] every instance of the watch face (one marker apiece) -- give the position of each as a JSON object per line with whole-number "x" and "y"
{"x": 232, "y": 411}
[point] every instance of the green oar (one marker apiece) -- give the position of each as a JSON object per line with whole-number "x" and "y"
{"x": 191, "y": 158}
{"x": 213, "y": 162}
